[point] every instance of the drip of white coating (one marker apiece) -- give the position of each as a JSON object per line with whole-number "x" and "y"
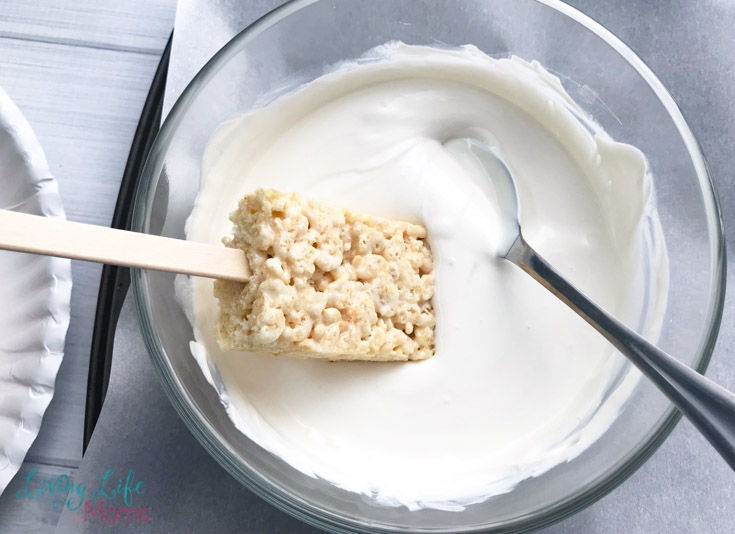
{"x": 515, "y": 372}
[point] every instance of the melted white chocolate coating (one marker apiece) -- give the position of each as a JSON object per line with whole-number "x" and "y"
{"x": 517, "y": 381}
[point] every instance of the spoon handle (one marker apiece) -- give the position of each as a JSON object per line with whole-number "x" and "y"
{"x": 709, "y": 406}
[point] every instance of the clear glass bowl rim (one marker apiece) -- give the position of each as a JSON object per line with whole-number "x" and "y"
{"x": 302, "y": 509}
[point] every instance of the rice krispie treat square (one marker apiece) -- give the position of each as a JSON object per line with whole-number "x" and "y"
{"x": 327, "y": 283}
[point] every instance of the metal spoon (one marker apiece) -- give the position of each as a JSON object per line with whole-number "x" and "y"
{"x": 709, "y": 406}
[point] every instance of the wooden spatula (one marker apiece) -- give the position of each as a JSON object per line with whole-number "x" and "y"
{"x": 53, "y": 237}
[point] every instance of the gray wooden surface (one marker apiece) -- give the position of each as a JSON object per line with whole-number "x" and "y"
{"x": 80, "y": 71}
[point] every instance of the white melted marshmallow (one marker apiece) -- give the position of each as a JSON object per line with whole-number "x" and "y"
{"x": 517, "y": 383}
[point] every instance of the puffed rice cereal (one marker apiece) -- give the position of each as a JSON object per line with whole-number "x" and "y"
{"x": 327, "y": 283}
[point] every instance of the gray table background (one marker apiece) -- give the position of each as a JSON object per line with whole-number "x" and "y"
{"x": 685, "y": 487}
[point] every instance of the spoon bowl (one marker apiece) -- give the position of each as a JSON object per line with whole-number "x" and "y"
{"x": 506, "y": 193}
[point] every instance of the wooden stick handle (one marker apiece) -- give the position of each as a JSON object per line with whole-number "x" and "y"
{"x": 54, "y": 237}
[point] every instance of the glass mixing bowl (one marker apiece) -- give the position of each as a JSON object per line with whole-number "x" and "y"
{"x": 294, "y": 44}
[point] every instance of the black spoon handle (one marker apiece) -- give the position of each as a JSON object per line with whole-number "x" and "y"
{"x": 709, "y": 406}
